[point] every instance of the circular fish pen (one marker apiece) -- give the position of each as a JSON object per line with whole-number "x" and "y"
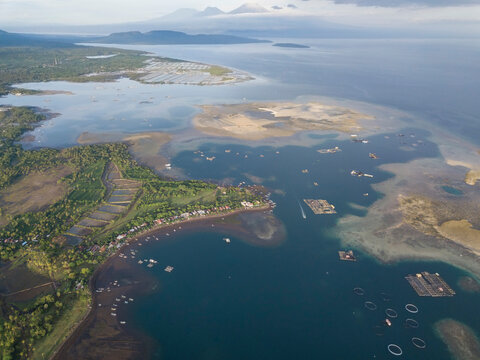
{"x": 395, "y": 349}
{"x": 391, "y": 313}
{"x": 419, "y": 343}
{"x": 359, "y": 291}
{"x": 411, "y": 308}
{"x": 370, "y": 305}
{"x": 410, "y": 323}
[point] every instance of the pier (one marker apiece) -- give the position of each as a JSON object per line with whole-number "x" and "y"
{"x": 426, "y": 284}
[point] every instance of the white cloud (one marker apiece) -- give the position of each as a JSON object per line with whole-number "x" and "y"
{"x": 86, "y": 12}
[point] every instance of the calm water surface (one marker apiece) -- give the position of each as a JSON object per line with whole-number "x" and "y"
{"x": 238, "y": 301}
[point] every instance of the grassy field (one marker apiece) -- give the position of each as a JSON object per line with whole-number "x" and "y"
{"x": 34, "y": 191}
{"x": 77, "y": 310}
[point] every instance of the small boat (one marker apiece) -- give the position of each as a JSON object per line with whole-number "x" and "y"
{"x": 227, "y": 240}
{"x": 389, "y": 323}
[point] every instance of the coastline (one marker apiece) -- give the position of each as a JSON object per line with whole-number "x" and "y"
{"x": 194, "y": 223}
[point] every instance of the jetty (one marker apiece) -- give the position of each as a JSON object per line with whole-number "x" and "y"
{"x": 347, "y": 255}
{"x": 426, "y": 284}
{"x": 320, "y": 207}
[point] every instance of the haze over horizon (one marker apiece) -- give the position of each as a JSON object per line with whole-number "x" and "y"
{"x": 462, "y": 16}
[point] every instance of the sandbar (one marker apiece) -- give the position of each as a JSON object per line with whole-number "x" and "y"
{"x": 417, "y": 219}
{"x": 461, "y": 340}
{"x": 144, "y": 147}
{"x": 257, "y": 121}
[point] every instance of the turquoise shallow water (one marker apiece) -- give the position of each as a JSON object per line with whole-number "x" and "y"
{"x": 239, "y": 301}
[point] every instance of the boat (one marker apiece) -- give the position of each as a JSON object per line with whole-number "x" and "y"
{"x": 227, "y": 240}
{"x": 389, "y": 323}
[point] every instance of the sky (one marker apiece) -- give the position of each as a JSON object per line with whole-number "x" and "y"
{"x": 355, "y": 12}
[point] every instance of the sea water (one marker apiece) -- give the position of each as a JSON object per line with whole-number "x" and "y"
{"x": 238, "y": 301}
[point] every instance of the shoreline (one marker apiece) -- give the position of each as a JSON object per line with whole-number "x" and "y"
{"x": 77, "y": 331}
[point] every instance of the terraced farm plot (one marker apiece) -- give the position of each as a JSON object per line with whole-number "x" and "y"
{"x": 122, "y": 193}
{"x": 73, "y": 240}
{"x": 97, "y": 215}
{"x": 115, "y": 174}
{"x": 120, "y": 198}
{"x": 113, "y": 209}
{"x": 79, "y": 231}
{"x": 89, "y": 222}
{"x": 126, "y": 184}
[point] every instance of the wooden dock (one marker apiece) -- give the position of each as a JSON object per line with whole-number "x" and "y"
{"x": 426, "y": 284}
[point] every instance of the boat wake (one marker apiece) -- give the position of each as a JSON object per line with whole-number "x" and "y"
{"x": 301, "y": 209}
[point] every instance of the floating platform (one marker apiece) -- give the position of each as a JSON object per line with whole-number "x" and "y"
{"x": 329, "y": 151}
{"x": 426, "y": 284}
{"x": 320, "y": 206}
{"x": 347, "y": 255}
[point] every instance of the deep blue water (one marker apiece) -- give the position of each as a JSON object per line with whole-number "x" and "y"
{"x": 239, "y": 301}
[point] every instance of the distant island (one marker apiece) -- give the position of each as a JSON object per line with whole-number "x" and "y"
{"x": 292, "y": 45}
{"x": 167, "y": 37}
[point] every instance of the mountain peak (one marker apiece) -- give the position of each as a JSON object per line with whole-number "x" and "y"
{"x": 249, "y": 8}
{"x": 211, "y": 11}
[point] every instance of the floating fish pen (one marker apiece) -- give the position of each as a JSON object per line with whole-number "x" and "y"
{"x": 347, "y": 256}
{"x": 426, "y": 284}
{"x": 329, "y": 151}
{"x": 320, "y": 206}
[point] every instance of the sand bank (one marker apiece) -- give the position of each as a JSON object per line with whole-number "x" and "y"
{"x": 257, "y": 121}
{"x": 144, "y": 147}
{"x": 461, "y": 340}
{"x": 414, "y": 218}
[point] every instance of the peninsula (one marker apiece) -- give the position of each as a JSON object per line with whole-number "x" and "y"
{"x": 168, "y": 37}
{"x": 24, "y": 59}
